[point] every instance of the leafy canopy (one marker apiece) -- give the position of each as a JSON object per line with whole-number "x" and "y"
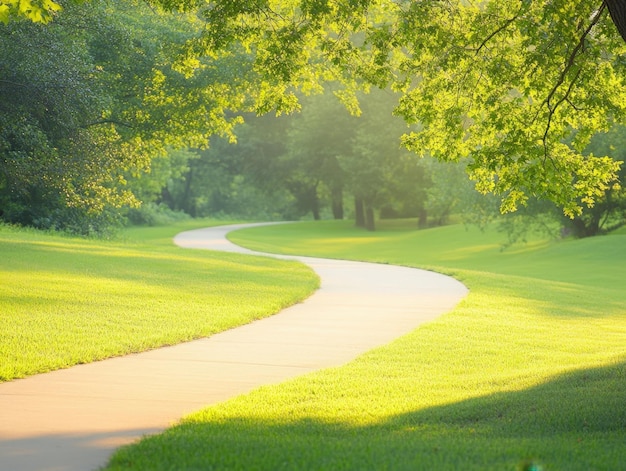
{"x": 518, "y": 86}
{"x": 37, "y": 11}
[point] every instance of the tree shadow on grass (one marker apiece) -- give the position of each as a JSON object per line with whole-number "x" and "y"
{"x": 574, "y": 422}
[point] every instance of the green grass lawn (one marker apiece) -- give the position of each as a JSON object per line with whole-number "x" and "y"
{"x": 528, "y": 372}
{"x": 65, "y": 301}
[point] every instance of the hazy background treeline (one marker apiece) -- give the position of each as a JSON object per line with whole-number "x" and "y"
{"x": 101, "y": 124}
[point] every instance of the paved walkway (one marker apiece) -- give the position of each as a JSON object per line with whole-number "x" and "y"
{"x": 74, "y": 419}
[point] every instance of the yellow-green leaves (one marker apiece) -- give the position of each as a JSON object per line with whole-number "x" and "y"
{"x": 519, "y": 88}
{"x": 37, "y": 11}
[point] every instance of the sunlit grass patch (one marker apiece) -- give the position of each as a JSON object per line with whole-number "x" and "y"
{"x": 530, "y": 368}
{"x": 66, "y": 301}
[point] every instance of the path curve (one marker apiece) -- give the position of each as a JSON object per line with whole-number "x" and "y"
{"x": 73, "y": 419}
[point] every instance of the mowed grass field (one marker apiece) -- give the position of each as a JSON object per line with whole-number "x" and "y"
{"x": 528, "y": 372}
{"x": 65, "y": 301}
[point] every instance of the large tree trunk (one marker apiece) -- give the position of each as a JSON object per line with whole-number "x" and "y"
{"x": 617, "y": 9}
{"x": 359, "y": 212}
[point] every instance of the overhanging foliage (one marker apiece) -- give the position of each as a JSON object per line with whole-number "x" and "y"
{"x": 518, "y": 86}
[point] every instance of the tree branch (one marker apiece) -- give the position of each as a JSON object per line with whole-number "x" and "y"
{"x": 504, "y": 26}
{"x": 569, "y": 64}
{"x": 16, "y": 84}
{"x": 107, "y": 121}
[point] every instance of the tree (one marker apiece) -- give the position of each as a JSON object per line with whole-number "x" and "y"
{"x": 242, "y": 180}
{"x": 323, "y": 153}
{"x": 316, "y": 141}
{"x": 448, "y": 190}
{"x": 499, "y": 100}
{"x": 607, "y": 214}
{"x": 56, "y": 168}
{"x": 379, "y": 172}
{"x": 262, "y": 160}
{"x": 504, "y": 84}
{"x": 516, "y": 86}
{"x": 90, "y": 99}
{"x": 609, "y": 211}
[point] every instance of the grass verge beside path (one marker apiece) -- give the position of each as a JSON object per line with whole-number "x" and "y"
{"x": 65, "y": 301}
{"x": 528, "y": 372}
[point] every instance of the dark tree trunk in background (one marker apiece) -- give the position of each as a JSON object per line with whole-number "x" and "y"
{"x": 359, "y": 212}
{"x": 585, "y": 228}
{"x": 187, "y": 204}
{"x": 316, "y": 213}
{"x": 422, "y": 223}
{"x": 370, "y": 224}
{"x": 167, "y": 198}
{"x": 337, "y": 197}
{"x": 315, "y": 204}
{"x": 617, "y": 9}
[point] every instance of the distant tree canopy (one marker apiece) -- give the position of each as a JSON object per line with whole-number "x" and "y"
{"x": 320, "y": 163}
{"x": 516, "y": 88}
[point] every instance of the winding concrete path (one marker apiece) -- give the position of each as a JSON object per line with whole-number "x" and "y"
{"x": 73, "y": 419}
